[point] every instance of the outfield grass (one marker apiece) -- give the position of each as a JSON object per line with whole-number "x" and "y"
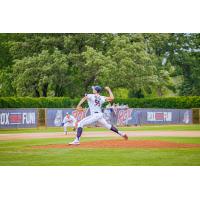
{"x": 193, "y": 127}
{"x": 21, "y": 153}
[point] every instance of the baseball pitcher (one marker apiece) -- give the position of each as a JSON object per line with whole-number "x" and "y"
{"x": 68, "y": 121}
{"x": 95, "y": 102}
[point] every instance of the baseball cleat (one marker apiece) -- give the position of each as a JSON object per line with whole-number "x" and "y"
{"x": 65, "y": 133}
{"x": 75, "y": 142}
{"x": 125, "y": 137}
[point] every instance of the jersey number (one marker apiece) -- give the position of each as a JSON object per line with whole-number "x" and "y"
{"x": 97, "y": 102}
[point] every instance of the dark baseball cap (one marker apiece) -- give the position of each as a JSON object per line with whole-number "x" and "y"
{"x": 97, "y": 88}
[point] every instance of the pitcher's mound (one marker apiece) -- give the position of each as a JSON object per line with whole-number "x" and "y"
{"x": 122, "y": 144}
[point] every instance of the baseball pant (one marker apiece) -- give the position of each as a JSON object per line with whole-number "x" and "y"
{"x": 68, "y": 125}
{"x": 96, "y": 117}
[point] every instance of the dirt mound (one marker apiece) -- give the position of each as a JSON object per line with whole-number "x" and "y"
{"x": 121, "y": 144}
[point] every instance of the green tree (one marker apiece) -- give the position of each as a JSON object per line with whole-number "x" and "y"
{"x": 36, "y": 76}
{"x": 157, "y": 47}
{"x": 6, "y": 78}
{"x": 131, "y": 67}
{"x": 5, "y": 56}
{"x": 68, "y": 64}
{"x": 184, "y": 53}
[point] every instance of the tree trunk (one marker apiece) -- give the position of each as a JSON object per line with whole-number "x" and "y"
{"x": 44, "y": 90}
{"x": 59, "y": 91}
{"x": 36, "y": 91}
{"x": 159, "y": 92}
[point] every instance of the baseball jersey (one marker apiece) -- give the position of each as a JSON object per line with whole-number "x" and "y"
{"x": 95, "y": 102}
{"x": 70, "y": 120}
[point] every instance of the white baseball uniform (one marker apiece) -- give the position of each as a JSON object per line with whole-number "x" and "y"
{"x": 95, "y": 102}
{"x": 69, "y": 122}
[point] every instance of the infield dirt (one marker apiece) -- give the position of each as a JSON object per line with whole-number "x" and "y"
{"x": 121, "y": 144}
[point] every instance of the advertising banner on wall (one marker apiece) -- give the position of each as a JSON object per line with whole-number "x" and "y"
{"x": 28, "y": 118}
{"x": 166, "y": 116}
{"x": 18, "y": 118}
{"x": 54, "y": 117}
{"x": 127, "y": 116}
{"x": 160, "y": 116}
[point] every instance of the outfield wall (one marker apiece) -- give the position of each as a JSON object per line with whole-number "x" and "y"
{"x": 125, "y": 117}
{"x": 52, "y": 117}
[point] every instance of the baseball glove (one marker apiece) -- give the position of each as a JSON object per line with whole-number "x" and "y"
{"x": 79, "y": 108}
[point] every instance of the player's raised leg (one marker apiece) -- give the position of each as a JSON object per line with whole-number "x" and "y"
{"x": 112, "y": 128}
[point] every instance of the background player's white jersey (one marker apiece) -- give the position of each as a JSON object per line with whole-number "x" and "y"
{"x": 69, "y": 120}
{"x": 95, "y": 102}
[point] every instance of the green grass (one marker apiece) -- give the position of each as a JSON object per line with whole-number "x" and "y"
{"x": 21, "y": 153}
{"x": 193, "y": 127}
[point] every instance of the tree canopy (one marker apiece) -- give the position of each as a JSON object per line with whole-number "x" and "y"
{"x": 134, "y": 65}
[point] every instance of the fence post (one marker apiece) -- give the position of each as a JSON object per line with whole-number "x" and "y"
{"x": 195, "y": 115}
{"x": 38, "y": 118}
{"x": 45, "y": 117}
{"x": 41, "y": 117}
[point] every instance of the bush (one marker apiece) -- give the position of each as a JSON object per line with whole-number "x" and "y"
{"x": 168, "y": 102}
{"x": 49, "y": 102}
{"x": 63, "y": 102}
